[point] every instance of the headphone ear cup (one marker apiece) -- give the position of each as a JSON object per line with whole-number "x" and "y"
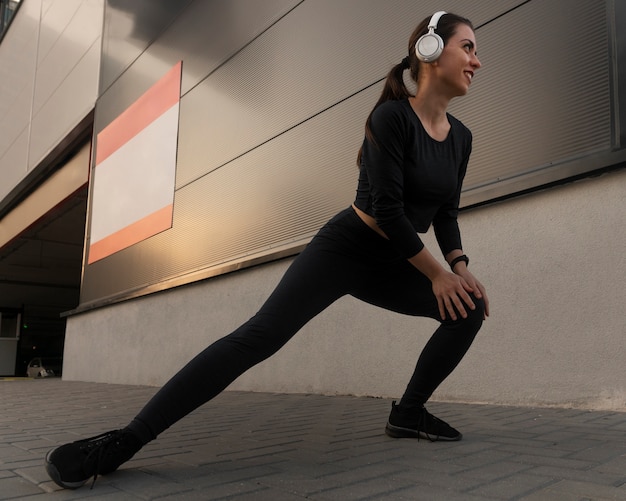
{"x": 429, "y": 47}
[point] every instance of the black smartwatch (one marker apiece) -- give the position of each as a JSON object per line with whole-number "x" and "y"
{"x": 458, "y": 259}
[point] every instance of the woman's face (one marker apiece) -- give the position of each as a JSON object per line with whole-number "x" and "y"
{"x": 458, "y": 62}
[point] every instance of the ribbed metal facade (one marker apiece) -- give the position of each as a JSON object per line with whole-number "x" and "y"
{"x": 275, "y": 95}
{"x": 544, "y": 94}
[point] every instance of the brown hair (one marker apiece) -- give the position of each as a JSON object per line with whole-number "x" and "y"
{"x": 395, "y": 88}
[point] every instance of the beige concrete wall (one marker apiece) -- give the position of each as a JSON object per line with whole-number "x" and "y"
{"x": 554, "y": 266}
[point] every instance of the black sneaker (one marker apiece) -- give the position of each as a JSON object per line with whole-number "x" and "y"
{"x": 419, "y": 424}
{"x": 71, "y": 465}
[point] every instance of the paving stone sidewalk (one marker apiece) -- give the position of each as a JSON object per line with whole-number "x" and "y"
{"x": 275, "y": 447}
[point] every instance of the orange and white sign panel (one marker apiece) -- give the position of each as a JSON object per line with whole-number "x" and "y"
{"x": 135, "y": 170}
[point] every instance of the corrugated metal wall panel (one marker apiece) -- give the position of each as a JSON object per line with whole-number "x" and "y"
{"x": 321, "y": 53}
{"x": 129, "y": 29}
{"x": 278, "y": 194}
{"x": 204, "y": 36}
{"x": 268, "y": 136}
{"x": 49, "y": 65}
{"x": 543, "y": 95}
{"x": 18, "y": 62}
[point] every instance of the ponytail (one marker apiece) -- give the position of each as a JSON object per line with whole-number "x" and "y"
{"x": 394, "y": 90}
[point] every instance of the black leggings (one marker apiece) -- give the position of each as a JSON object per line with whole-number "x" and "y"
{"x": 345, "y": 257}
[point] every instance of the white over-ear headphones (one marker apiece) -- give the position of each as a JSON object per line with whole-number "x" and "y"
{"x": 430, "y": 46}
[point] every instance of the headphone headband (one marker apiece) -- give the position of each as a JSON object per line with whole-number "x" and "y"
{"x": 434, "y": 21}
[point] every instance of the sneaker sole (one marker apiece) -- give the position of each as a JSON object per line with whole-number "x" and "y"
{"x": 399, "y": 432}
{"x": 54, "y": 474}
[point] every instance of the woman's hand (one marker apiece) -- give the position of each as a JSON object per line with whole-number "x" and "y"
{"x": 476, "y": 287}
{"x": 452, "y": 291}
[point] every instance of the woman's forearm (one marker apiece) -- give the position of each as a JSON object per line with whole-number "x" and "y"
{"x": 425, "y": 262}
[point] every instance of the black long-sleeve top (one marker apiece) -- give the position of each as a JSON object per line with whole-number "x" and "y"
{"x": 408, "y": 180}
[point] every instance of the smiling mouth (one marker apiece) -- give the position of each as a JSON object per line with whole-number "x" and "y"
{"x": 469, "y": 74}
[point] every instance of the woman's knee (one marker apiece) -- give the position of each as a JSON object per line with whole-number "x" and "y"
{"x": 475, "y": 316}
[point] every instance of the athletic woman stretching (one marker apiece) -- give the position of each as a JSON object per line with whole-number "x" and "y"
{"x": 412, "y": 164}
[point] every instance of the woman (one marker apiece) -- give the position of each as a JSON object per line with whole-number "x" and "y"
{"x": 412, "y": 164}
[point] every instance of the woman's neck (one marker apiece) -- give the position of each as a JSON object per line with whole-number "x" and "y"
{"x": 431, "y": 111}
{"x": 430, "y": 106}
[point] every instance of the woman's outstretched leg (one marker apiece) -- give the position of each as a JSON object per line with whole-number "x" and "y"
{"x": 212, "y": 370}
{"x": 321, "y": 274}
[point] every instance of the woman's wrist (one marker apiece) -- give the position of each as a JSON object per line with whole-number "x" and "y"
{"x": 459, "y": 259}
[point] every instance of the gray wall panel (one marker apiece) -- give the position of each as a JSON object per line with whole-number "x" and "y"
{"x": 56, "y": 17}
{"x": 129, "y": 28}
{"x": 13, "y": 162}
{"x": 276, "y": 196}
{"x": 258, "y": 117}
{"x": 67, "y": 105}
{"x": 540, "y": 98}
{"x": 18, "y": 57}
{"x": 209, "y": 32}
{"x": 204, "y": 36}
{"x": 320, "y": 53}
{"x": 618, "y": 52}
{"x": 49, "y": 66}
{"x": 69, "y": 30}
{"x": 67, "y": 73}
